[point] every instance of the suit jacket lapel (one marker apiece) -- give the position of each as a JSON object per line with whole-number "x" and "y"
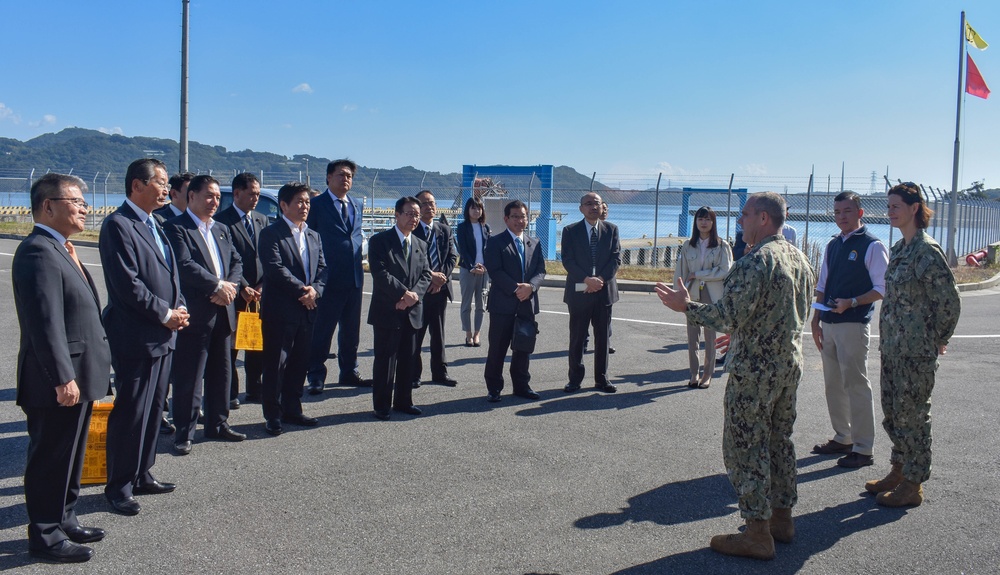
{"x": 61, "y": 250}
{"x": 143, "y": 231}
{"x": 313, "y": 255}
{"x": 203, "y": 247}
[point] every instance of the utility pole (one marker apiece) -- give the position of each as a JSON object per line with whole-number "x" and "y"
{"x": 184, "y": 86}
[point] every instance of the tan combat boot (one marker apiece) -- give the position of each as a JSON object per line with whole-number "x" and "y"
{"x": 782, "y": 526}
{"x": 889, "y": 482}
{"x": 906, "y": 494}
{"x": 756, "y": 542}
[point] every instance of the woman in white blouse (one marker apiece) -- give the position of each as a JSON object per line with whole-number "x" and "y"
{"x": 472, "y": 235}
{"x": 703, "y": 263}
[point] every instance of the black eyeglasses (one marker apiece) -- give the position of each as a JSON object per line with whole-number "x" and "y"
{"x": 78, "y": 202}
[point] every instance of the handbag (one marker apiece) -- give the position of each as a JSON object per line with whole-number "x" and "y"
{"x": 249, "y": 336}
{"x": 525, "y": 332}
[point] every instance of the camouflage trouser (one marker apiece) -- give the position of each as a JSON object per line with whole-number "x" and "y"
{"x": 756, "y": 442}
{"x": 907, "y": 383}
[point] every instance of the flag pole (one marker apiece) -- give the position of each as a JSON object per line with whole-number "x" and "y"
{"x": 953, "y": 208}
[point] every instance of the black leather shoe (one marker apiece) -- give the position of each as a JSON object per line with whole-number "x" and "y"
{"x": 234, "y": 404}
{"x": 382, "y": 415}
{"x": 450, "y": 382}
{"x": 273, "y": 427}
{"x": 415, "y": 384}
{"x": 63, "y": 552}
{"x": 493, "y": 397}
{"x": 606, "y": 388}
{"x": 611, "y": 350}
{"x": 571, "y": 387}
{"x": 154, "y": 488}
{"x": 355, "y": 380}
{"x": 182, "y": 447}
{"x": 166, "y": 428}
{"x": 315, "y": 387}
{"x": 855, "y": 460}
{"x": 530, "y": 394}
{"x": 226, "y": 434}
{"x": 81, "y": 534}
{"x": 201, "y": 416}
{"x": 832, "y": 448}
{"x": 412, "y": 410}
{"x": 125, "y": 506}
{"x": 300, "y": 419}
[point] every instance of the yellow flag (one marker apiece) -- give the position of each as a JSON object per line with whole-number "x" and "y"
{"x": 974, "y": 38}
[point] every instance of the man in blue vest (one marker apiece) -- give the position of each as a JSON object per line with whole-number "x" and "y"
{"x": 851, "y": 280}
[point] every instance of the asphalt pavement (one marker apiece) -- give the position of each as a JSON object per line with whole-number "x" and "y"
{"x": 588, "y": 483}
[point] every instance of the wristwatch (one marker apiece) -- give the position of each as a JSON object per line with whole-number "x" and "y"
{"x": 854, "y": 302}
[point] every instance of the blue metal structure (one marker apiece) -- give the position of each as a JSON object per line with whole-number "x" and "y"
{"x": 545, "y": 225}
{"x": 683, "y": 219}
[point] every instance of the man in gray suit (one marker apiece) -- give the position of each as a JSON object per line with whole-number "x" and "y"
{"x": 63, "y": 366}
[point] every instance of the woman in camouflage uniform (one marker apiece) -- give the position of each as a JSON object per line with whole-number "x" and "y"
{"x": 918, "y": 316}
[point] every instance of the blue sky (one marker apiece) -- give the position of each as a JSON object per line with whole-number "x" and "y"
{"x": 628, "y": 88}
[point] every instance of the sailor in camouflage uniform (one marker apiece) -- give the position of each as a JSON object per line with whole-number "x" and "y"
{"x": 918, "y": 316}
{"x": 764, "y": 306}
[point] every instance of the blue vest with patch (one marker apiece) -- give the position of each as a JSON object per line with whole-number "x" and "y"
{"x": 847, "y": 276}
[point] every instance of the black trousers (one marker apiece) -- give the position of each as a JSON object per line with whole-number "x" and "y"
{"x": 337, "y": 309}
{"x": 253, "y": 366}
{"x": 500, "y": 335}
{"x": 582, "y": 315}
{"x": 201, "y": 377}
{"x": 393, "y": 368}
{"x": 286, "y": 351}
{"x": 435, "y": 306}
{"x": 57, "y": 439}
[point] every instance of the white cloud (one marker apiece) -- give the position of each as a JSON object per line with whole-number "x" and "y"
{"x": 110, "y": 131}
{"x": 303, "y": 87}
{"x": 48, "y": 119}
{"x": 8, "y": 114}
{"x": 349, "y": 107}
{"x": 668, "y": 169}
{"x": 754, "y": 169}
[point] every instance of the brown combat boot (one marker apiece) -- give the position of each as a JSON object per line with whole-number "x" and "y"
{"x": 906, "y": 494}
{"x": 756, "y": 542}
{"x": 889, "y": 482}
{"x": 782, "y": 526}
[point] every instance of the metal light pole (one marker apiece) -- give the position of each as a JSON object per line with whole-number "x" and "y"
{"x": 184, "y": 86}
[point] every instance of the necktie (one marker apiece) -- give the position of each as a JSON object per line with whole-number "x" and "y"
{"x": 343, "y": 209}
{"x": 158, "y": 240}
{"x": 593, "y": 250}
{"x": 520, "y": 252}
{"x": 72, "y": 255}
{"x": 406, "y": 249}
{"x": 432, "y": 250}
{"x": 248, "y": 224}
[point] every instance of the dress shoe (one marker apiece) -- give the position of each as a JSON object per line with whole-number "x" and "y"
{"x": 528, "y": 394}
{"x": 611, "y": 350}
{"x": 234, "y": 404}
{"x": 273, "y": 427}
{"x": 154, "y": 488}
{"x": 832, "y": 448}
{"x": 450, "y": 382}
{"x": 81, "y": 534}
{"x": 382, "y": 415}
{"x": 315, "y": 387}
{"x": 300, "y": 419}
{"x": 251, "y": 398}
{"x": 182, "y": 447}
{"x": 855, "y": 460}
{"x": 125, "y": 505}
{"x": 606, "y": 387}
{"x": 226, "y": 434}
{"x": 63, "y": 552}
{"x": 201, "y": 416}
{"x": 411, "y": 410}
{"x": 355, "y": 380}
{"x": 493, "y": 397}
{"x": 166, "y": 428}
{"x": 571, "y": 387}
{"x": 416, "y": 384}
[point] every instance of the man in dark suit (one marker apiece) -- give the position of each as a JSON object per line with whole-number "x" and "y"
{"x": 145, "y": 310}
{"x": 442, "y": 257}
{"x": 400, "y": 277}
{"x": 516, "y": 267}
{"x": 245, "y": 226}
{"x": 210, "y": 271}
{"x": 63, "y": 366}
{"x": 337, "y": 219}
{"x": 295, "y": 275}
{"x": 178, "y": 197}
{"x": 591, "y": 254}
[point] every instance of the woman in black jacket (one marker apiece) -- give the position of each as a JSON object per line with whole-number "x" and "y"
{"x": 472, "y": 235}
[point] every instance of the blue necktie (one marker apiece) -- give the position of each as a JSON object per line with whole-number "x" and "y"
{"x": 248, "y": 224}
{"x": 432, "y": 249}
{"x": 159, "y": 242}
{"x": 520, "y": 252}
{"x": 593, "y": 250}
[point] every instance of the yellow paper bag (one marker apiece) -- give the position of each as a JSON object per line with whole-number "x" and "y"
{"x": 248, "y": 330}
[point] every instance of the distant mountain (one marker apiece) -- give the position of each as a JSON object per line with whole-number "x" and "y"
{"x": 91, "y": 152}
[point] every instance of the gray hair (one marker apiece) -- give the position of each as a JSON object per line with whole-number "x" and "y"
{"x": 772, "y": 204}
{"x": 50, "y": 186}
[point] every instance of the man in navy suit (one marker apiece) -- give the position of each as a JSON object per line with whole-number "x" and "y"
{"x": 591, "y": 254}
{"x": 337, "y": 219}
{"x": 295, "y": 275}
{"x": 245, "y": 225}
{"x": 210, "y": 271}
{"x": 516, "y": 267}
{"x": 442, "y": 257}
{"x": 63, "y": 366}
{"x": 145, "y": 310}
{"x": 178, "y": 197}
{"x": 400, "y": 277}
